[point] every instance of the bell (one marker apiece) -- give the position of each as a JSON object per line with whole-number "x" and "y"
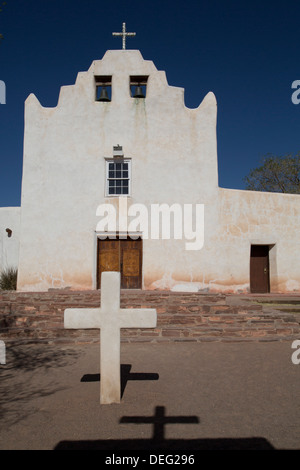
{"x": 103, "y": 95}
{"x": 139, "y": 92}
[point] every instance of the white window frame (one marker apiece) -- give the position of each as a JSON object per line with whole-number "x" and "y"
{"x": 107, "y": 179}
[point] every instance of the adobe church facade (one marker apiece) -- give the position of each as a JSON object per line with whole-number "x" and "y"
{"x": 128, "y": 154}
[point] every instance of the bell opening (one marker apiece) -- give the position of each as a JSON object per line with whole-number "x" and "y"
{"x": 103, "y": 94}
{"x": 138, "y": 86}
{"x": 139, "y": 93}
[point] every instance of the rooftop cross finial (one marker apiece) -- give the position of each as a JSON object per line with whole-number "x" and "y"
{"x": 124, "y": 34}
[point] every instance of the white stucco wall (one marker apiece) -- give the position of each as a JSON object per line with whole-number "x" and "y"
{"x": 259, "y": 218}
{"x": 174, "y": 160}
{"x": 9, "y": 245}
{"x": 173, "y": 152}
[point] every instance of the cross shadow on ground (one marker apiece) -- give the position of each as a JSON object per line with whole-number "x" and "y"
{"x": 126, "y": 375}
{"x": 159, "y": 442}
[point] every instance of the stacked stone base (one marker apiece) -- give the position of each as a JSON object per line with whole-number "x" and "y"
{"x": 38, "y": 317}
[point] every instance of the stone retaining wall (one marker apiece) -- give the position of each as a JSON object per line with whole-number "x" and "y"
{"x": 38, "y": 317}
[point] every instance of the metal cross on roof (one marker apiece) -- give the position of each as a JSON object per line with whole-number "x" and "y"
{"x": 124, "y": 34}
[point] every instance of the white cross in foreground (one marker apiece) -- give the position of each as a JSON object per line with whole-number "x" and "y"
{"x": 110, "y": 318}
{"x": 124, "y": 34}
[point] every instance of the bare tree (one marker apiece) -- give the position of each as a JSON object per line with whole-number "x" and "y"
{"x": 276, "y": 174}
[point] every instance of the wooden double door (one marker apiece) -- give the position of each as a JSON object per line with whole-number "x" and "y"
{"x": 124, "y": 256}
{"x": 259, "y": 269}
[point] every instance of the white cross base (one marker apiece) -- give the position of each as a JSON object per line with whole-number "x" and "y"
{"x": 109, "y": 319}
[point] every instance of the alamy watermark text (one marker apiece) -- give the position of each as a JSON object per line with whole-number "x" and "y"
{"x": 2, "y": 353}
{"x": 157, "y": 221}
{"x": 2, "y": 92}
{"x": 296, "y": 94}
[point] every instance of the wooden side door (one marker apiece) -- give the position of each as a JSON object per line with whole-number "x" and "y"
{"x": 259, "y": 269}
{"x": 131, "y": 263}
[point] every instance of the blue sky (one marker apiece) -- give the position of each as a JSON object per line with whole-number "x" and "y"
{"x": 246, "y": 52}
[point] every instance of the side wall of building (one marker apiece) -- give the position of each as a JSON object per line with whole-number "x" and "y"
{"x": 258, "y": 218}
{"x": 9, "y": 237}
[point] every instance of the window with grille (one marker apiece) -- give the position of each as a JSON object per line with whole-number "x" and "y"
{"x": 118, "y": 177}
